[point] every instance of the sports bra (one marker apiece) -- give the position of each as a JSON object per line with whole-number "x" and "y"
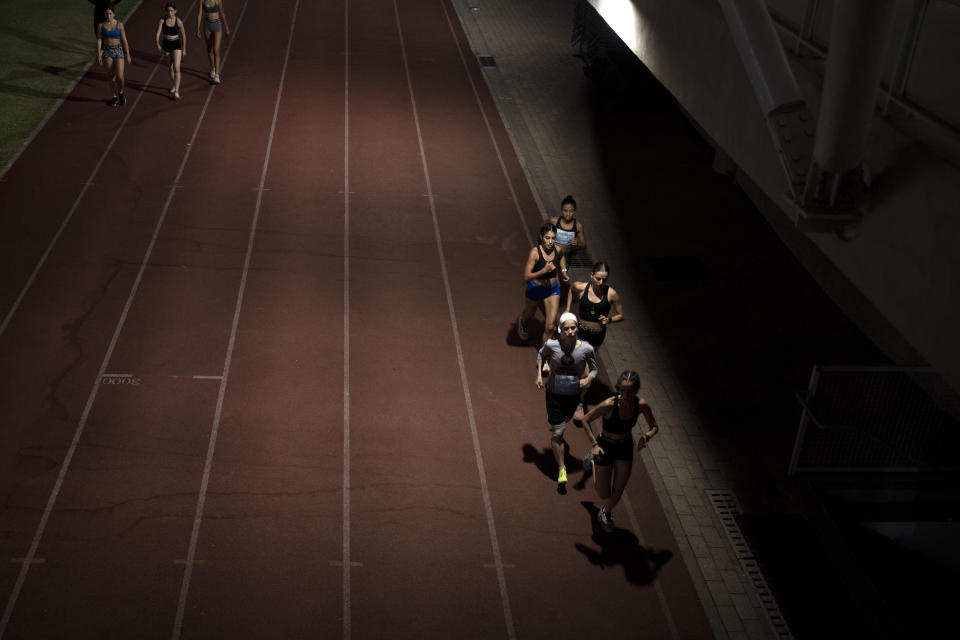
{"x": 590, "y": 310}
{"x": 542, "y": 262}
{"x": 215, "y": 8}
{"x": 113, "y": 34}
{"x": 617, "y": 425}
{"x": 564, "y": 236}
{"x": 171, "y": 31}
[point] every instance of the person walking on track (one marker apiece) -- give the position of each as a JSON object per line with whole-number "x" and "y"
{"x": 598, "y": 305}
{"x": 113, "y": 51}
{"x": 611, "y": 452}
{"x": 212, "y": 26}
{"x": 545, "y": 263}
{"x": 173, "y": 45}
{"x": 570, "y": 365}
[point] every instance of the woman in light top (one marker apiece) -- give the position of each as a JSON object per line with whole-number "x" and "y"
{"x": 172, "y": 42}
{"x": 611, "y": 451}
{"x": 570, "y": 235}
{"x": 212, "y": 26}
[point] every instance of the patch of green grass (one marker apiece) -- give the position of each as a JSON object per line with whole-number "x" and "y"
{"x": 44, "y": 47}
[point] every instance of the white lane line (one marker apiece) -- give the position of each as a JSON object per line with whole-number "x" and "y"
{"x": 487, "y": 504}
{"x": 65, "y": 466}
{"x": 661, "y": 596}
{"x": 486, "y": 121}
{"x": 215, "y": 426}
{"x": 76, "y": 203}
{"x": 347, "y": 623}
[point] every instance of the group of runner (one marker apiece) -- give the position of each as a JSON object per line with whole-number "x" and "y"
{"x": 567, "y": 362}
{"x": 113, "y": 50}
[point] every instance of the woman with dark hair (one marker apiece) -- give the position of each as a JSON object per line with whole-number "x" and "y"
{"x": 598, "y": 305}
{"x": 570, "y": 233}
{"x": 174, "y": 44}
{"x": 611, "y": 452}
{"x": 545, "y": 263}
{"x": 113, "y": 51}
{"x": 99, "y": 9}
{"x": 212, "y": 26}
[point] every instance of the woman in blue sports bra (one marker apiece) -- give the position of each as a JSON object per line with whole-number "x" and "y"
{"x": 570, "y": 233}
{"x": 611, "y": 452}
{"x": 545, "y": 263}
{"x": 113, "y": 52}
{"x": 212, "y": 26}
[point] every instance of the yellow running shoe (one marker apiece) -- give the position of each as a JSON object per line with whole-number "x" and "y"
{"x": 562, "y": 478}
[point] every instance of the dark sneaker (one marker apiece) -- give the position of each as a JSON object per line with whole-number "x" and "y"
{"x": 588, "y": 462}
{"x": 605, "y": 519}
{"x": 522, "y": 331}
{"x": 122, "y": 98}
{"x": 114, "y": 101}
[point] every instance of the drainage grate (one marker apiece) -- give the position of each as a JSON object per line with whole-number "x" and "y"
{"x": 579, "y": 260}
{"x": 727, "y": 507}
{"x": 487, "y": 61}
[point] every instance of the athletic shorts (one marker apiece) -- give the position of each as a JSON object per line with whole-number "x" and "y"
{"x": 594, "y": 338}
{"x": 560, "y": 408}
{"x": 542, "y": 292}
{"x": 115, "y": 52}
{"x": 172, "y": 45}
{"x": 613, "y": 450}
{"x": 212, "y": 26}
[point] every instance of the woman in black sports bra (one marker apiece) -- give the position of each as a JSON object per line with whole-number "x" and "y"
{"x": 611, "y": 451}
{"x": 598, "y": 304}
{"x": 173, "y": 44}
{"x": 546, "y": 266}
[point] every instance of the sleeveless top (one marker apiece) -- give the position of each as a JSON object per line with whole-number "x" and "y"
{"x": 564, "y": 236}
{"x": 215, "y": 8}
{"x": 113, "y": 34}
{"x": 617, "y": 425}
{"x": 171, "y": 31}
{"x": 590, "y": 310}
{"x": 542, "y": 262}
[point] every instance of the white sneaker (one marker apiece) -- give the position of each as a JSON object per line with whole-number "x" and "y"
{"x": 172, "y": 90}
{"x": 176, "y": 95}
{"x": 212, "y": 74}
{"x": 216, "y": 79}
{"x": 521, "y": 330}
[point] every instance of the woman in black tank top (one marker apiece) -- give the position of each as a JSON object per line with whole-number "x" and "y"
{"x": 611, "y": 453}
{"x": 546, "y": 266}
{"x": 172, "y": 41}
{"x": 598, "y": 304}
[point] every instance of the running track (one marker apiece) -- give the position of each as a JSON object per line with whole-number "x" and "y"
{"x": 259, "y": 372}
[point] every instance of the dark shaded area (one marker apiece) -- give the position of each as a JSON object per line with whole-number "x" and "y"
{"x": 621, "y": 548}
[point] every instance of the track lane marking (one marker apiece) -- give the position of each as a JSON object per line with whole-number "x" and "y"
{"x": 228, "y": 358}
{"x": 71, "y": 450}
{"x": 454, "y": 327}
{"x": 345, "y": 585}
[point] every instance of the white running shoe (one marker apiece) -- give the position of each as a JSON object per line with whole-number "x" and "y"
{"x": 212, "y": 74}
{"x": 216, "y": 79}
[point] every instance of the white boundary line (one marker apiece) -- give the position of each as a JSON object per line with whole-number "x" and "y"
{"x": 83, "y": 190}
{"x": 65, "y": 466}
{"x": 487, "y": 504}
{"x": 73, "y": 85}
{"x": 347, "y": 609}
{"x": 215, "y": 427}
{"x": 486, "y": 121}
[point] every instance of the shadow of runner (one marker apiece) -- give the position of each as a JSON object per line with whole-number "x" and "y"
{"x": 543, "y": 460}
{"x": 621, "y": 547}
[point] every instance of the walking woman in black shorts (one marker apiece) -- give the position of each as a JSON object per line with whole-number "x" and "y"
{"x": 113, "y": 51}
{"x": 611, "y": 451}
{"x": 173, "y": 44}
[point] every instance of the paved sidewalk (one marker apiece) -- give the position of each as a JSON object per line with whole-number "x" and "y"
{"x": 714, "y": 302}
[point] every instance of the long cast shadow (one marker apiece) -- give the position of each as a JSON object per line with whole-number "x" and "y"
{"x": 622, "y": 548}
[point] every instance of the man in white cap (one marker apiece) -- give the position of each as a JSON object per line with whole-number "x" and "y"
{"x": 564, "y": 359}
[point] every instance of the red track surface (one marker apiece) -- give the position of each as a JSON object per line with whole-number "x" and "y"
{"x": 274, "y": 435}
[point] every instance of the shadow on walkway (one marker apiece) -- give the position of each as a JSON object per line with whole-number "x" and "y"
{"x": 622, "y": 548}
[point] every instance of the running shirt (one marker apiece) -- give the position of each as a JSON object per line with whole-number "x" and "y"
{"x": 566, "y": 367}
{"x": 564, "y": 236}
